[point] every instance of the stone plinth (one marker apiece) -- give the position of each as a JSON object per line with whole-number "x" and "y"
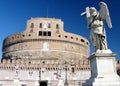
{"x": 103, "y": 70}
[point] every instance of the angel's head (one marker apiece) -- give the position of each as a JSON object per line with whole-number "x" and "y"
{"x": 92, "y": 9}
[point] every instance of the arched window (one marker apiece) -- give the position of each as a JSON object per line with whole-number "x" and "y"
{"x": 82, "y": 40}
{"x": 32, "y": 25}
{"x": 71, "y": 37}
{"x": 76, "y": 38}
{"x": 87, "y": 43}
{"x": 49, "y": 33}
{"x": 40, "y": 33}
{"x": 57, "y": 26}
{"x": 40, "y": 25}
{"x": 73, "y": 70}
{"x": 66, "y": 36}
{"x": 44, "y": 33}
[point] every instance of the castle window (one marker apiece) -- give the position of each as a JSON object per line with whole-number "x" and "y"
{"x": 44, "y": 33}
{"x": 43, "y": 62}
{"x": 71, "y": 37}
{"x": 32, "y": 25}
{"x": 82, "y": 40}
{"x": 65, "y": 36}
{"x": 23, "y": 35}
{"x": 30, "y": 73}
{"x": 49, "y": 33}
{"x": 29, "y": 34}
{"x": 118, "y": 62}
{"x": 49, "y": 25}
{"x": 40, "y": 25}
{"x": 57, "y": 26}
{"x": 76, "y": 38}
{"x": 31, "y": 30}
{"x": 59, "y": 35}
{"x": 40, "y": 33}
{"x": 87, "y": 43}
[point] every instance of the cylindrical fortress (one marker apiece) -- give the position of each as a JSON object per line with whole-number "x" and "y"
{"x": 45, "y": 38}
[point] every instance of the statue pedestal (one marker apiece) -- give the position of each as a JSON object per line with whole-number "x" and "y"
{"x": 103, "y": 70}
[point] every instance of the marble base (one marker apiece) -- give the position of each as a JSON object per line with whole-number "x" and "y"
{"x": 113, "y": 81}
{"x": 103, "y": 70}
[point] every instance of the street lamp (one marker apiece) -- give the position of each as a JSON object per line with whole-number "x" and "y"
{"x": 66, "y": 83}
{"x": 39, "y": 76}
{"x": 40, "y": 72}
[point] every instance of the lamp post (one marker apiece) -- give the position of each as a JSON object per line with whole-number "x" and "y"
{"x": 39, "y": 76}
{"x": 66, "y": 83}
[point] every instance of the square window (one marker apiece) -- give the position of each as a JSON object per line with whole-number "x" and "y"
{"x": 44, "y": 34}
{"x": 49, "y": 33}
{"x": 32, "y": 25}
{"x": 40, "y": 33}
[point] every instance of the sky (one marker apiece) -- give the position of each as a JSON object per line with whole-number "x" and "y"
{"x": 15, "y": 13}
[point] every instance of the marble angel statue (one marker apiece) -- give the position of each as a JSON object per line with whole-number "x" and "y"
{"x": 96, "y": 25}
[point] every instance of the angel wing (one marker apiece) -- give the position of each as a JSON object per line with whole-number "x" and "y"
{"x": 104, "y": 13}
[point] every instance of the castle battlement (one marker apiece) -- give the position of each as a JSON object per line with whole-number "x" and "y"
{"x": 48, "y": 64}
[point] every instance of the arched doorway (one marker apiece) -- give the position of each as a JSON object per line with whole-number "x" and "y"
{"x": 43, "y": 83}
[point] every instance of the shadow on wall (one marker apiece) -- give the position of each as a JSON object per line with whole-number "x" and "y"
{"x": 118, "y": 72}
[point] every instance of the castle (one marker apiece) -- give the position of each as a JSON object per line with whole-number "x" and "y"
{"x": 44, "y": 54}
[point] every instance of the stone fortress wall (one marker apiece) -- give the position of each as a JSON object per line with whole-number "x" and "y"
{"x": 35, "y": 39}
{"x": 36, "y": 64}
{"x": 28, "y": 71}
{"x": 26, "y": 64}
